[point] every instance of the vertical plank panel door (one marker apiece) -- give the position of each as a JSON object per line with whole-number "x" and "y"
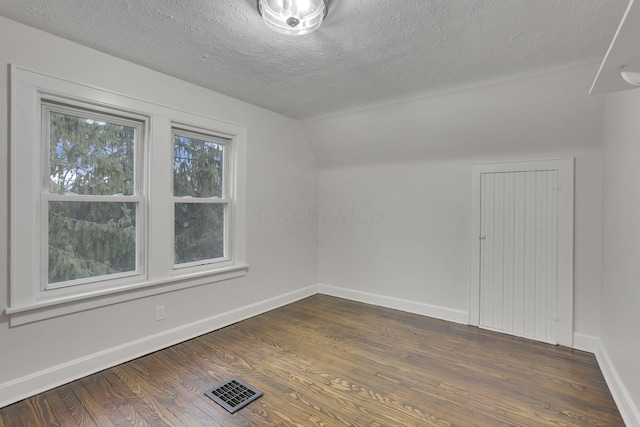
{"x": 524, "y": 249}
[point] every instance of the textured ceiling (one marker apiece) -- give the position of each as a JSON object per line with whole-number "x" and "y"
{"x": 367, "y": 53}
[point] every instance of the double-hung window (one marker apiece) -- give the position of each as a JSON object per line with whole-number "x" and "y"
{"x": 114, "y": 198}
{"x": 92, "y": 202}
{"x": 200, "y": 198}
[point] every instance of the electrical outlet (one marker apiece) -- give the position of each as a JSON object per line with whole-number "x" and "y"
{"x": 159, "y": 313}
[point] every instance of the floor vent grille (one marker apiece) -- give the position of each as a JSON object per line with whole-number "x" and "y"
{"x": 233, "y": 395}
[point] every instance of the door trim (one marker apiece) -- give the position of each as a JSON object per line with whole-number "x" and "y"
{"x": 565, "y": 168}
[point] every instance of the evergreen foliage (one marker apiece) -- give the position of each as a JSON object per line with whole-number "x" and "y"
{"x": 88, "y": 157}
{"x": 94, "y": 238}
{"x": 198, "y": 172}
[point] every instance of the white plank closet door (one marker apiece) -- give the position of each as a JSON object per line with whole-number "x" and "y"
{"x": 520, "y": 276}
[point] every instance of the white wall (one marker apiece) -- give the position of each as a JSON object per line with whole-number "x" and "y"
{"x": 403, "y": 174}
{"x": 282, "y": 255}
{"x": 621, "y": 246}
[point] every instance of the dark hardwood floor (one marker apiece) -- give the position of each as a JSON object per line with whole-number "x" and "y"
{"x": 326, "y": 361}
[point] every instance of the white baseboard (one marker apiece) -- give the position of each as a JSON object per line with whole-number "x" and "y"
{"x": 626, "y": 406}
{"x": 443, "y": 313}
{"x": 585, "y": 342}
{"x": 38, "y": 382}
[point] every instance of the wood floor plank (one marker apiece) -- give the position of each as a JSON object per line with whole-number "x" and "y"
{"x": 147, "y": 408}
{"x": 75, "y": 408}
{"x": 326, "y": 361}
{"x": 163, "y": 390}
{"x": 21, "y": 414}
{"x": 52, "y": 410}
{"x": 119, "y": 410}
{"x": 102, "y": 412}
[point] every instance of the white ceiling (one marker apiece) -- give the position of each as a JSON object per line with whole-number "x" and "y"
{"x": 367, "y": 53}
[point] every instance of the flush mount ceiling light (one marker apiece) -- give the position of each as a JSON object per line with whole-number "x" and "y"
{"x": 294, "y": 17}
{"x": 631, "y": 76}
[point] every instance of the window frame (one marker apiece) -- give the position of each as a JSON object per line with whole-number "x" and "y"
{"x": 228, "y": 173}
{"x": 51, "y": 104}
{"x": 28, "y": 302}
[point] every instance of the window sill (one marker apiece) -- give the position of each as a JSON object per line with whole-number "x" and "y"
{"x": 46, "y": 309}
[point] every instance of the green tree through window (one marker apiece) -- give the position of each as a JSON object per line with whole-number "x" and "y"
{"x": 90, "y": 236}
{"x": 198, "y": 173}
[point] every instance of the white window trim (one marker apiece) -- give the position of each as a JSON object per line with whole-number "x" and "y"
{"x": 141, "y": 123}
{"x": 27, "y": 302}
{"x": 229, "y": 171}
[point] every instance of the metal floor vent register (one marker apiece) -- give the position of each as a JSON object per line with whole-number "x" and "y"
{"x": 233, "y": 395}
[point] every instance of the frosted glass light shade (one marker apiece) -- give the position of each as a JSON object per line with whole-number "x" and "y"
{"x": 631, "y": 77}
{"x": 295, "y": 17}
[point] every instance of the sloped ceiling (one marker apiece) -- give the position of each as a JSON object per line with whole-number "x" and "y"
{"x": 367, "y": 53}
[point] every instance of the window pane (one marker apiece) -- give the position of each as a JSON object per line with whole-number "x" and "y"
{"x": 199, "y": 231}
{"x": 89, "y": 156}
{"x": 197, "y": 167}
{"x": 89, "y": 239}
